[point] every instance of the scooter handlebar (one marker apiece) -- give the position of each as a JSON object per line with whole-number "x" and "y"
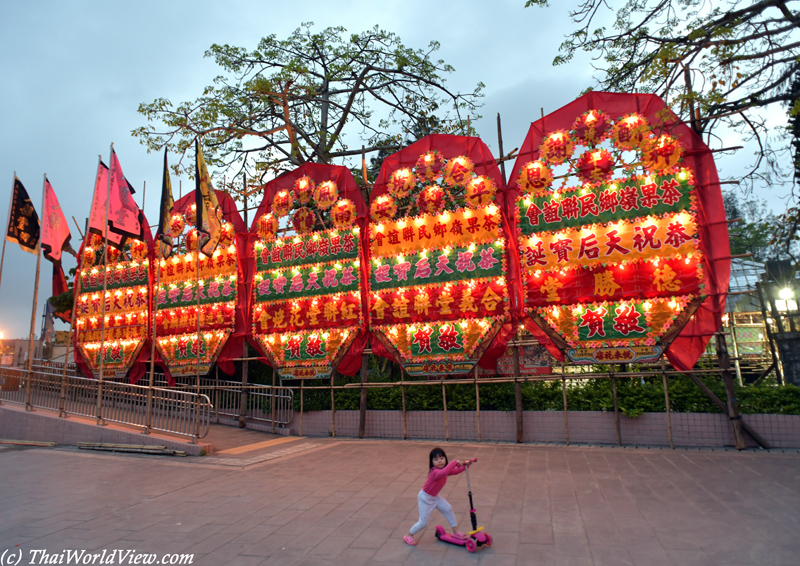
{"x": 468, "y": 462}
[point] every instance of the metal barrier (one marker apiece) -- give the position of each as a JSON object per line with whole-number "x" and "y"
{"x": 172, "y": 411}
{"x": 262, "y": 401}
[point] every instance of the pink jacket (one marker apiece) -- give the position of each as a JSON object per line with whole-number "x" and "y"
{"x": 437, "y": 478}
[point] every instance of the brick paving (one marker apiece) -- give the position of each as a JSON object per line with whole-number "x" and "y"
{"x": 334, "y": 501}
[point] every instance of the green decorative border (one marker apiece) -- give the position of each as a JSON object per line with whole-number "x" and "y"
{"x": 85, "y": 277}
{"x": 305, "y": 239}
{"x": 526, "y": 228}
{"x": 497, "y": 270}
{"x": 207, "y": 285}
{"x": 305, "y": 273}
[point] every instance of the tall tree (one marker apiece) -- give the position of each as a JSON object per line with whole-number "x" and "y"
{"x": 294, "y": 100}
{"x": 719, "y": 63}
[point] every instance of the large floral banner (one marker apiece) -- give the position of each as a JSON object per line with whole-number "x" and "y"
{"x": 613, "y": 238}
{"x": 188, "y": 295}
{"x": 307, "y": 284}
{"x": 127, "y": 306}
{"x": 437, "y": 272}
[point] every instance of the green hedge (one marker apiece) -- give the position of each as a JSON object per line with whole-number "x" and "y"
{"x": 635, "y": 395}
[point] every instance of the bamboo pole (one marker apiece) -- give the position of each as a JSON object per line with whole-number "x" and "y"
{"x": 768, "y": 327}
{"x": 99, "y": 414}
{"x": 333, "y": 409}
{"x": 733, "y": 407}
{"x": 616, "y": 408}
{"x": 33, "y": 313}
{"x": 444, "y": 404}
{"x": 62, "y": 402}
{"x": 666, "y": 402}
{"x": 243, "y": 396}
{"x": 8, "y": 219}
{"x": 197, "y": 339}
{"x": 518, "y": 397}
{"x": 564, "y": 396}
{"x": 216, "y": 391}
{"x": 362, "y": 405}
{"x": 736, "y": 364}
{"x": 272, "y": 401}
{"x": 149, "y": 417}
{"x": 301, "y": 407}
{"x": 477, "y": 404}
{"x": 403, "y": 395}
{"x": 724, "y": 408}
{"x": 500, "y": 146}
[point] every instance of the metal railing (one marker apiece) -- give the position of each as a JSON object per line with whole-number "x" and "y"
{"x": 263, "y": 403}
{"x": 173, "y": 411}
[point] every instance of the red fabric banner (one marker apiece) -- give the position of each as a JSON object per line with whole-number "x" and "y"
{"x": 451, "y": 146}
{"x": 350, "y": 363}
{"x": 713, "y": 231}
{"x": 55, "y": 229}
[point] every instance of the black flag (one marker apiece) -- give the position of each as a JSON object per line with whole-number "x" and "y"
{"x": 23, "y": 222}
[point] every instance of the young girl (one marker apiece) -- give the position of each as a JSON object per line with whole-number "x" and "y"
{"x": 429, "y": 498}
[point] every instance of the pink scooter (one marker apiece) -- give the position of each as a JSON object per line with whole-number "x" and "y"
{"x": 474, "y": 538}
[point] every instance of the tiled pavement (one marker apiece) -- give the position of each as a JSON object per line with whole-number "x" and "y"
{"x": 332, "y": 501}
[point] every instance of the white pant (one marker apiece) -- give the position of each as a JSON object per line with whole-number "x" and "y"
{"x": 427, "y": 503}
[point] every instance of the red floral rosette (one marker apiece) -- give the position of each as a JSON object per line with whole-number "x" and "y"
{"x": 431, "y": 200}
{"x": 534, "y": 177}
{"x": 429, "y": 166}
{"x": 592, "y": 126}
{"x": 343, "y": 214}
{"x": 595, "y": 166}
{"x": 303, "y": 189}
{"x": 176, "y": 225}
{"x": 303, "y": 220}
{"x": 557, "y": 148}
{"x": 267, "y": 226}
{"x": 88, "y": 256}
{"x": 228, "y": 234}
{"x": 95, "y": 240}
{"x": 630, "y": 131}
{"x": 326, "y": 194}
{"x": 383, "y": 208}
{"x": 282, "y": 203}
{"x": 401, "y": 182}
{"x": 139, "y": 250}
{"x": 113, "y": 254}
{"x": 479, "y": 191}
{"x": 663, "y": 152}
{"x": 191, "y": 214}
{"x": 458, "y": 171}
{"x": 191, "y": 240}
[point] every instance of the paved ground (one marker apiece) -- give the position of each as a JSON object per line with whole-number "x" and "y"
{"x": 272, "y": 500}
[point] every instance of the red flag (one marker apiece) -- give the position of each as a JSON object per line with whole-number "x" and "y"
{"x": 55, "y": 230}
{"x": 124, "y": 216}
{"x": 60, "y": 286}
{"x": 97, "y": 216}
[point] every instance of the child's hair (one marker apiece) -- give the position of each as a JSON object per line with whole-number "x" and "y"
{"x": 434, "y": 453}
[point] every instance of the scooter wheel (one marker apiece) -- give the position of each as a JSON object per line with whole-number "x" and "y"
{"x": 471, "y": 546}
{"x": 439, "y": 531}
{"x": 488, "y": 541}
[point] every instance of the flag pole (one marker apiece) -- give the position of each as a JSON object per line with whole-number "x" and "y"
{"x": 197, "y": 341}
{"x": 33, "y": 313}
{"x": 76, "y": 289}
{"x": 148, "y": 418}
{"x": 105, "y": 290}
{"x": 10, "y": 203}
